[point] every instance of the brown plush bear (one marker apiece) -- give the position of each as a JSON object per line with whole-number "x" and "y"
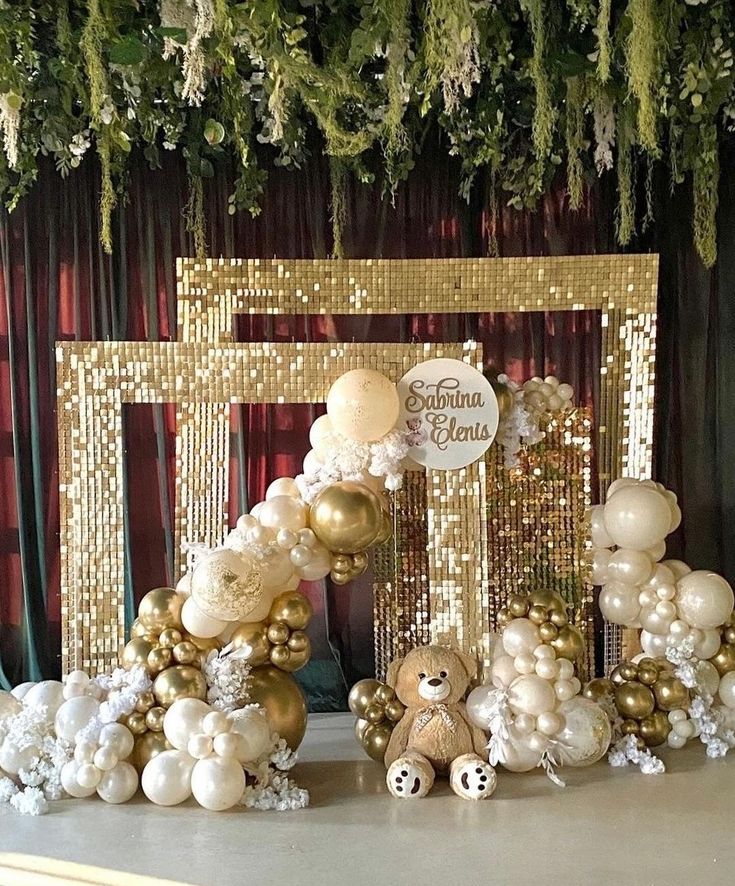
{"x": 434, "y": 734}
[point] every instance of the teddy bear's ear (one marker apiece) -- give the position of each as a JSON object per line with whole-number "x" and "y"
{"x": 392, "y": 675}
{"x": 469, "y": 662}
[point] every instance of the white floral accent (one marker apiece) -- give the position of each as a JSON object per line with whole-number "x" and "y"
{"x": 121, "y": 691}
{"x": 10, "y": 104}
{"x": 626, "y": 751}
{"x": 272, "y": 788}
{"x": 228, "y": 678}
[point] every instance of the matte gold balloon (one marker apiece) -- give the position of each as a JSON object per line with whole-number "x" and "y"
{"x": 136, "y": 653}
{"x": 374, "y": 713}
{"x": 598, "y": 688}
{"x": 724, "y": 659}
{"x": 654, "y": 729}
{"x": 292, "y": 608}
{"x": 154, "y": 719}
{"x": 170, "y": 637}
{"x": 279, "y": 657}
{"x": 278, "y": 632}
{"x": 298, "y": 642}
{"x": 634, "y": 701}
{"x": 549, "y": 600}
{"x": 252, "y": 639}
{"x": 179, "y": 681}
{"x": 394, "y": 710}
{"x": 671, "y": 694}
{"x": 346, "y": 517}
{"x": 283, "y": 701}
{"x": 136, "y": 723}
{"x": 161, "y": 609}
{"x": 375, "y": 741}
{"x": 361, "y": 695}
{"x": 569, "y": 644}
{"x": 159, "y": 659}
{"x": 185, "y": 652}
{"x": 145, "y": 702}
{"x": 148, "y": 746}
{"x": 384, "y": 693}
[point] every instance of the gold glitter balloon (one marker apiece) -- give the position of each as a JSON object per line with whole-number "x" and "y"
{"x": 634, "y": 701}
{"x": 293, "y": 609}
{"x": 185, "y": 652}
{"x": 598, "y": 688}
{"x": 179, "y": 681}
{"x": 252, "y": 640}
{"x": 136, "y": 653}
{"x": 569, "y": 644}
{"x": 724, "y": 659}
{"x": 346, "y": 517}
{"x": 161, "y": 609}
{"x": 154, "y": 719}
{"x": 361, "y": 696}
{"x": 148, "y": 746}
{"x": 159, "y": 659}
{"x": 654, "y": 729}
{"x": 170, "y": 637}
{"x": 283, "y": 701}
{"x": 278, "y": 632}
{"x": 670, "y": 694}
{"x": 375, "y": 741}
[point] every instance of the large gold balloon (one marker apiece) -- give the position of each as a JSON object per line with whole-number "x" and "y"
{"x": 547, "y": 599}
{"x": 375, "y": 741}
{"x": 634, "y": 700}
{"x": 148, "y": 746}
{"x": 283, "y": 701}
{"x": 362, "y": 695}
{"x": 179, "y": 681}
{"x": 360, "y": 727}
{"x": 598, "y": 688}
{"x": 654, "y": 729}
{"x": 136, "y": 652}
{"x": 386, "y": 528}
{"x": 292, "y": 608}
{"x": 569, "y": 643}
{"x": 252, "y": 639}
{"x": 670, "y": 694}
{"x": 346, "y": 517}
{"x": 724, "y": 659}
{"x": 161, "y": 609}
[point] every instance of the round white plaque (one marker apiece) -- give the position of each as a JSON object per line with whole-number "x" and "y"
{"x": 450, "y": 411}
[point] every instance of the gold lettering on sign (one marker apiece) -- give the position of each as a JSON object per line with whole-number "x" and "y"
{"x": 441, "y": 395}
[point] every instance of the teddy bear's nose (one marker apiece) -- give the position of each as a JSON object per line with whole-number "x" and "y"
{"x": 435, "y": 681}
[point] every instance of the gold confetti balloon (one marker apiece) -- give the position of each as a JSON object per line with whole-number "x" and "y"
{"x": 361, "y": 696}
{"x": 346, "y": 517}
{"x": 227, "y": 585}
{"x": 283, "y": 700}
{"x": 179, "y": 681}
{"x": 292, "y": 608}
{"x": 161, "y": 609}
{"x": 251, "y": 639}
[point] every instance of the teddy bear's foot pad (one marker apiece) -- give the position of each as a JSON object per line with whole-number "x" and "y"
{"x": 472, "y": 778}
{"x": 410, "y": 777}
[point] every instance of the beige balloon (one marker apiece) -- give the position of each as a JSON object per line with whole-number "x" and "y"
{"x": 198, "y": 623}
{"x": 283, "y": 512}
{"x": 363, "y": 405}
{"x": 217, "y": 783}
{"x": 585, "y": 736}
{"x": 704, "y": 599}
{"x": 166, "y": 779}
{"x": 227, "y": 585}
{"x": 637, "y": 517}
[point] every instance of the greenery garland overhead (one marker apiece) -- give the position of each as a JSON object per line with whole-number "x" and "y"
{"x": 520, "y": 87}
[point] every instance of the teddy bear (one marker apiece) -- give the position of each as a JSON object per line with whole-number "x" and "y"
{"x": 434, "y": 736}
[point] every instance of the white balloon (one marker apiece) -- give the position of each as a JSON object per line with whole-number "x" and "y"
{"x": 657, "y": 551}
{"x": 503, "y": 671}
{"x": 531, "y": 694}
{"x": 708, "y": 645}
{"x": 12, "y": 759}
{"x": 9, "y": 705}
{"x": 319, "y": 566}
{"x": 84, "y": 752}
{"x": 217, "y": 783}
{"x": 478, "y": 705}
{"x": 653, "y": 622}
{"x": 119, "y": 784}
{"x": 183, "y": 585}
{"x": 166, "y": 779}
{"x": 564, "y": 690}
{"x": 20, "y": 690}
{"x": 199, "y": 623}
{"x": 566, "y": 669}
{"x": 525, "y": 663}
{"x": 228, "y": 744}
{"x": 521, "y": 635}
{"x": 287, "y": 539}
{"x": 516, "y": 755}
{"x": 88, "y": 775}
{"x": 319, "y": 434}
{"x": 675, "y": 741}
{"x": 105, "y": 759}
{"x": 283, "y": 512}
{"x": 253, "y": 729}
{"x": 118, "y": 737}
{"x": 215, "y": 722}
{"x": 548, "y": 669}
{"x": 312, "y": 463}
{"x": 619, "y": 603}
{"x": 637, "y": 517}
{"x": 727, "y": 689}
{"x": 653, "y": 645}
{"x": 549, "y": 723}
{"x": 585, "y": 736}
{"x": 182, "y": 719}
{"x": 630, "y": 567}
{"x": 599, "y": 561}
{"x": 600, "y": 536}
{"x": 704, "y": 599}
{"x": 70, "y": 784}
{"x": 73, "y": 715}
{"x": 678, "y": 568}
{"x": 282, "y": 486}
{"x": 199, "y": 746}
{"x": 620, "y": 483}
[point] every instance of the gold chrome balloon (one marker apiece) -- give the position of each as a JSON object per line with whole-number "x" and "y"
{"x": 598, "y": 688}
{"x": 138, "y": 629}
{"x": 340, "y": 578}
{"x": 292, "y": 608}
{"x": 298, "y": 642}
{"x": 179, "y": 681}
{"x": 283, "y": 700}
{"x": 185, "y": 652}
{"x": 360, "y": 727}
{"x": 670, "y": 694}
{"x": 634, "y": 701}
{"x": 394, "y": 710}
{"x": 154, "y": 719}
{"x": 569, "y": 644}
{"x": 280, "y": 656}
{"x": 375, "y": 741}
{"x": 136, "y": 653}
{"x": 161, "y": 609}
{"x": 251, "y": 638}
{"x": 136, "y": 723}
{"x": 518, "y": 605}
{"x": 145, "y": 702}
{"x": 548, "y": 631}
{"x": 631, "y": 727}
{"x": 374, "y": 713}
{"x": 549, "y": 600}
{"x": 361, "y": 696}
{"x": 654, "y": 729}
{"x": 538, "y": 614}
{"x": 628, "y": 671}
{"x": 724, "y": 659}
{"x": 278, "y": 632}
{"x": 346, "y": 517}
{"x": 359, "y": 563}
{"x": 148, "y": 746}
{"x": 170, "y": 637}
{"x": 159, "y": 659}
{"x": 384, "y": 694}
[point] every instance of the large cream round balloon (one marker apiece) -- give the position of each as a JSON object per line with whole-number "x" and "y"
{"x": 586, "y": 735}
{"x": 217, "y": 783}
{"x": 184, "y": 718}
{"x": 320, "y": 433}
{"x": 74, "y": 715}
{"x": 619, "y": 603}
{"x": 118, "y": 784}
{"x": 516, "y": 755}
{"x": 503, "y": 671}
{"x": 48, "y": 694}
{"x": 197, "y": 623}
{"x": 630, "y": 567}
{"x": 637, "y": 517}
{"x": 520, "y": 636}
{"x": 363, "y": 405}
{"x": 479, "y": 704}
{"x": 283, "y": 512}
{"x": 227, "y": 585}
{"x": 531, "y": 694}
{"x": 704, "y": 599}
{"x": 166, "y": 779}
{"x": 9, "y": 705}
{"x": 253, "y": 731}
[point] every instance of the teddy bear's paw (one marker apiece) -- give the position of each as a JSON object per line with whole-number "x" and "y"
{"x": 410, "y": 777}
{"x": 472, "y": 778}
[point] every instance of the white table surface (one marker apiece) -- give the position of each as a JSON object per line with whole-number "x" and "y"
{"x": 607, "y": 826}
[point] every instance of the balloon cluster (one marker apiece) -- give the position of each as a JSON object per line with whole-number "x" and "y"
{"x": 532, "y": 709}
{"x": 280, "y": 638}
{"x": 724, "y": 658}
{"x": 377, "y": 710}
{"x": 546, "y": 394}
{"x": 670, "y": 603}
{"x": 209, "y": 750}
{"x": 100, "y": 765}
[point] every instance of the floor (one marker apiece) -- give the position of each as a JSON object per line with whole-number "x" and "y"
{"x": 606, "y": 826}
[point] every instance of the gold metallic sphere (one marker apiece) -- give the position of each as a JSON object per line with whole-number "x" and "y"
{"x": 558, "y": 618}
{"x": 283, "y": 701}
{"x": 631, "y": 727}
{"x": 252, "y": 640}
{"x": 340, "y": 578}
{"x": 503, "y": 617}
{"x": 655, "y": 729}
{"x": 145, "y": 702}
{"x": 671, "y": 694}
{"x": 616, "y": 677}
{"x": 148, "y": 746}
{"x": 293, "y": 609}
{"x": 598, "y": 688}
{"x": 159, "y": 659}
{"x": 375, "y": 740}
{"x": 724, "y": 659}
{"x": 518, "y": 605}
{"x": 394, "y": 710}
{"x": 154, "y": 719}
{"x": 278, "y": 632}
{"x": 360, "y": 562}
{"x": 138, "y": 629}
{"x": 384, "y": 694}
{"x": 634, "y": 701}
{"x": 179, "y": 681}
{"x": 647, "y": 674}
{"x": 548, "y": 631}
{"x": 346, "y": 517}
{"x": 374, "y": 714}
{"x": 136, "y": 723}
{"x": 185, "y": 652}
{"x": 728, "y": 635}
{"x": 342, "y": 563}
{"x": 161, "y": 609}
{"x": 296, "y": 659}
{"x": 628, "y": 671}
{"x": 361, "y": 696}
{"x": 570, "y": 642}
{"x": 549, "y": 600}
{"x": 136, "y": 653}
{"x": 298, "y": 642}
{"x": 360, "y": 727}
{"x": 538, "y": 614}
{"x": 279, "y": 656}
{"x": 170, "y": 637}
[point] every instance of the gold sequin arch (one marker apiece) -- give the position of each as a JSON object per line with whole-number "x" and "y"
{"x": 462, "y": 576}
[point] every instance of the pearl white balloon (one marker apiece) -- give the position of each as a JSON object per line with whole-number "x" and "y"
{"x": 287, "y": 539}
{"x": 319, "y": 434}
{"x": 564, "y": 690}
{"x": 13, "y": 759}
{"x": 9, "y": 705}
{"x": 200, "y": 746}
{"x": 118, "y": 737}
{"x": 704, "y": 599}
{"x": 531, "y": 694}
{"x": 183, "y": 585}
{"x": 524, "y": 724}
{"x": 678, "y": 568}
{"x": 277, "y": 569}
{"x": 708, "y": 676}
{"x": 228, "y": 744}
{"x": 182, "y": 719}
{"x": 84, "y": 752}
{"x": 105, "y": 759}
{"x": 363, "y": 405}
{"x": 674, "y": 740}
{"x": 525, "y": 663}
{"x": 198, "y": 623}
{"x": 566, "y": 669}
{"x": 516, "y": 755}
{"x": 549, "y": 723}
{"x": 215, "y": 722}
{"x": 637, "y": 517}
{"x": 282, "y": 486}
{"x": 283, "y": 512}
{"x": 503, "y": 671}
{"x": 727, "y": 689}
{"x": 651, "y": 620}
{"x": 708, "y": 645}
{"x": 599, "y": 560}
{"x": 119, "y": 784}
{"x": 81, "y": 677}
{"x": 300, "y": 556}
{"x": 255, "y": 510}
{"x": 166, "y": 779}
{"x": 538, "y": 742}
{"x": 521, "y": 635}
{"x": 619, "y": 603}
{"x": 600, "y": 536}
{"x": 217, "y": 783}
{"x": 319, "y": 566}
{"x": 21, "y": 689}
{"x": 253, "y": 728}
{"x": 70, "y": 784}
{"x": 684, "y": 728}
{"x": 73, "y": 715}
{"x": 630, "y": 567}
{"x": 544, "y": 651}
{"x": 585, "y": 736}
{"x": 648, "y": 597}
{"x": 654, "y": 645}
{"x": 88, "y": 775}
{"x": 657, "y": 551}
{"x": 675, "y": 516}
{"x": 312, "y": 463}
{"x": 48, "y": 694}
{"x": 547, "y": 668}
{"x": 618, "y": 484}
{"x": 478, "y": 706}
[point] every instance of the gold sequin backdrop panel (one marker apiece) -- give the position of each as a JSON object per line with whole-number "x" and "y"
{"x": 96, "y": 378}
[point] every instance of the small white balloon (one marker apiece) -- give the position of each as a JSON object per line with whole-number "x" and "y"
{"x": 547, "y": 668}
{"x": 118, "y": 737}
{"x": 13, "y": 759}
{"x": 654, "y": 645}
{"x": 9, "y": 705}
{"x": 549, "y": 723}
{"x": 727, "y": 689}
{"x": 525, "y": 724}
{"x": 81, "y": 677}
{"x": 252, "y": 725}
{"x": 566, "y": 669}
{"x": 599, "y": 561}
{"x": 708, "y": 676}
{"x": 600, "y": 535}
{"x": 217, "y": 783}
{"x": 525, "y": 663}
{"x": 84, "y": 752}
{"x": 674, "y": 740}
{"x": 228, "y": 744}
{"x": 73, "y": 715}
{"x": 503, "y": 671}
{"x": 282, "y": 486}
{"x": 678, "y": 568}
{"x": 320, "y": 433}
{"x": 119, "y": 784}
{"x": 88, "y": 775}
{"x": 319, "y": 566}
{"x": 183, "y": 585}
{"x": 300, "y": 556}
{"x": 70, "y": 784}
{"x": 283, "y": 512}
{"x": 307, "y": 538}
{"x": 677, "y": 715}
{"x": 105, "y": 759}
{"x": 684, "y": 728}
{"x": 564, "y": 690}
{"x": 198, "y": 623}
{"x": 653, "y": 621}
{"x": 200, "y": 746}
{"x": 544, "y": 651}
{"x": 166, "y": 779}
{"x": 48, "y": 694}
{"x": 215, "y": 722}
{"x": 287, "y": 539}
{"x": 183, "y": 719}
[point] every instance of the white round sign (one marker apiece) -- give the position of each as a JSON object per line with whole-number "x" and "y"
{"x": 451, "y": 412}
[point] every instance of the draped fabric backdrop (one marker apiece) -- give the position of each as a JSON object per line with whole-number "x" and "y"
{"x": 57, "y": 284}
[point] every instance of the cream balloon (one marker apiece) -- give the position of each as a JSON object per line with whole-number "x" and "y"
{"x": 217, "y": 783}
{"x": 9, "y": 706}
{"x": 198, "y": 623}
{"x": 531, "y": 694}
{"x": 585, "y": 736}
{"x": 277, "y": 569}
{"x": 620, "y": 483}
{"x": 283, "y": 512}
{"x": 479, "y": 703}
{"x": 320, "y": 433}
{"x": 319, "y": 566}
{"x": 704, "y": 599}
{"x": 662, "y": 577}
{"x": 637, "y": 517}
{"x": 655, "y": 623}
{"x": 183, "y": 585}
{"x": 119, "y": 784}
{"x": 599, "y": 561}
{"x": 226, "y": 584}
{"x": 13, "y": 758}
{"x": 600, "y": 535}
{"x": 282, "y": 486}
{"x": 21, "y": 689}
{"x": 727, "y": 690}
{"x": 73, "y": 715}
{"x": 312, "y": 463}
{"x": 708, "y": 645}
{"x": 516, "y": 755}
{"x": 678, "y": 568}
{"x": 184, "y": 717}
{"x": 630, "y": 567}
{"x": 654, "y": 645}
{"x": 619, "y": 603}
{"x": 166, "y": 779}
{"x": 251, "y": 727}
{"x": 70, "y": 784}
{"x": 503, "y": 671}
{"x": 657, "y": 551}
{"x": 47, "y": 694}
{"x": 521, "y": 635}
{"x": 118, "y": 737}
{"x": 707, "y": 676}
{"x": 363, "y": 405}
